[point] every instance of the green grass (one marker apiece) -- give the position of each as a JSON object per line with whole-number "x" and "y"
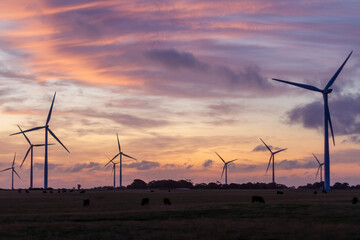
{"x": 194, "y": 214}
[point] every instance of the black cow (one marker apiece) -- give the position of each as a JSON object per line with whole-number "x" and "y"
{"x": 145, "y": 201}
{"x": 27, "y": 191}
{"x": 279, "y": 192}
{"x": 19, "y": 191}
{"x": 324, "y": 191}
{"x": 152, "y": 191}
{"x": 86, "y": 202}
{"x": 355, "y": 200}
{"x": 315, "y": 192}
{"x": 258, "y": 199}
{"x": 167, "y": 201}
{"x": 51, "y": 191}
{"x": 82, "y": 191}
{"x": 44, "y": 191}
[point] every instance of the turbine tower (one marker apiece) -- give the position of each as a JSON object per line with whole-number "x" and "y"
{"x": 12, "y": 172}
{"x": 120, "y": 154}
{"x": 31, "y": 155}
{"x": 47, "y": 130}
{"x": 272, "y": 157}
{"x": 225, "y": 167}
{"x": 327, "y": 118}
{"x": 113, "y": 169}
{"x": 319, "y": 168}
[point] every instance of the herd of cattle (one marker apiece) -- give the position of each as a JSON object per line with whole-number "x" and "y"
{"x": 146, "y": 201}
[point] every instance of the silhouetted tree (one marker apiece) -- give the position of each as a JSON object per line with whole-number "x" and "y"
{"x": 137, "y": 184}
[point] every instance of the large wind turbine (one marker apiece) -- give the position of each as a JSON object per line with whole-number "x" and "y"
{"x": 319, "y": 168}
{"x": 120, "y": 154}
{"x": 12, "y": 172}
{"x": 47, "y": 130}
{"x": 272, "y": 157}
{"x": 31, "y": 154}
{"x": 225, "y": 167}
{"x": 113, "y": 169}
{"x": 327, "y": 118}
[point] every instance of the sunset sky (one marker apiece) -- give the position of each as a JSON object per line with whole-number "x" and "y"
{"x": 178, "y": 80}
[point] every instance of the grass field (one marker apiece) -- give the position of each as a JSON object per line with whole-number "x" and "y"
{"x": 194, "y": 214}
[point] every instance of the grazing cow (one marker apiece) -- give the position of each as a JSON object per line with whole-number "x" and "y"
{"x": 355, "y": 200}
{"x": 315, "y": 192}
{"x": 324, "y": 191}
{"x": 51, "y": 191}
{"x": 27, "y": 191}
{"x": 258, "y": 199}
{"x": 279, "y": 192}
{"x": 58, "y": 191}
{"x": 44, "y": 191}
{"x": 145, "y": 201}
{"x": 169, "y": 190}
{"x": 152, "y": 191}
{"x": 71, "y": 190}
{"x": 167, "y": 201}
{"x": 82, "y": 191}
{"x": 64, "y": 190}
{"x": 86, "y": 202}
{"x": 19, "y": 191}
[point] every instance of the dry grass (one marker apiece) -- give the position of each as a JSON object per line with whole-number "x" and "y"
{"x": 194, "y": 214}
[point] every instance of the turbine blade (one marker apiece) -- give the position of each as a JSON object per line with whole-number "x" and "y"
{"x": 6, "y": 169}
{"x": 329, "y": 120}
{"x": 25, "y": 156}
{"x": 14, "y": 160}
{"x": 308, "y": 87}
{"x": 24, "y": 135}
{"x": 332, "y": 80}
{"x": 267, "y": 169}
{"x": 316, "y": 159}
{"x": 16, "y": 173}
{"x": 220, "y": 157}
{"x": 110, "y": 160}
{"x": 50, "y": 111}
{"x": 266, "y": 145}
{"x": 53, "y": 134}
{"x": 280, "y": 150}
{"x": 29, "y": 130}
{"x": 41, "y": 145}
{"x": 231, "y": 161}
{"x": 223, "y": 171}
{"x": 115, "y": 156}
{"x": 317, "y": 173}
{"x": 117, "y": 136}
{"x": 127, "y": 156}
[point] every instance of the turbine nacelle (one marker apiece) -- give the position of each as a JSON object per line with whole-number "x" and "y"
{"x": 327, "y": 91}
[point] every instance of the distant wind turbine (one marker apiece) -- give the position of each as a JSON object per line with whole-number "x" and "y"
{"x": 327, "y": 118}
{"x": 120, "y": 154}
{"x": 12, "y": 172}
{"x": 319, "y": 168}
{"x": 31, "y": 155}
{"x": 225, "y": 167}
{"x": 47, "y": 130}
{"x": 113, "y": 169}
{"x": 272, "y": 157}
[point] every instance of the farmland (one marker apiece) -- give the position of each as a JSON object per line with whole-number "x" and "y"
{"x": 193, "y": 214}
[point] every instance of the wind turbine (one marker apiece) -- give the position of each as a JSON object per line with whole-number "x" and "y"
{"x": 327, "y": 118}
{"x": 31, "y": 151}
{"x": 120, "y": 154}
{"x": 225, "y": 167}
{"x": 47, "y": 130}
{"x": 113, "y": 169}
{"x": 12, "y": 172}
{"x": 272, "y": 157}
{"x": 319, "y": 168}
